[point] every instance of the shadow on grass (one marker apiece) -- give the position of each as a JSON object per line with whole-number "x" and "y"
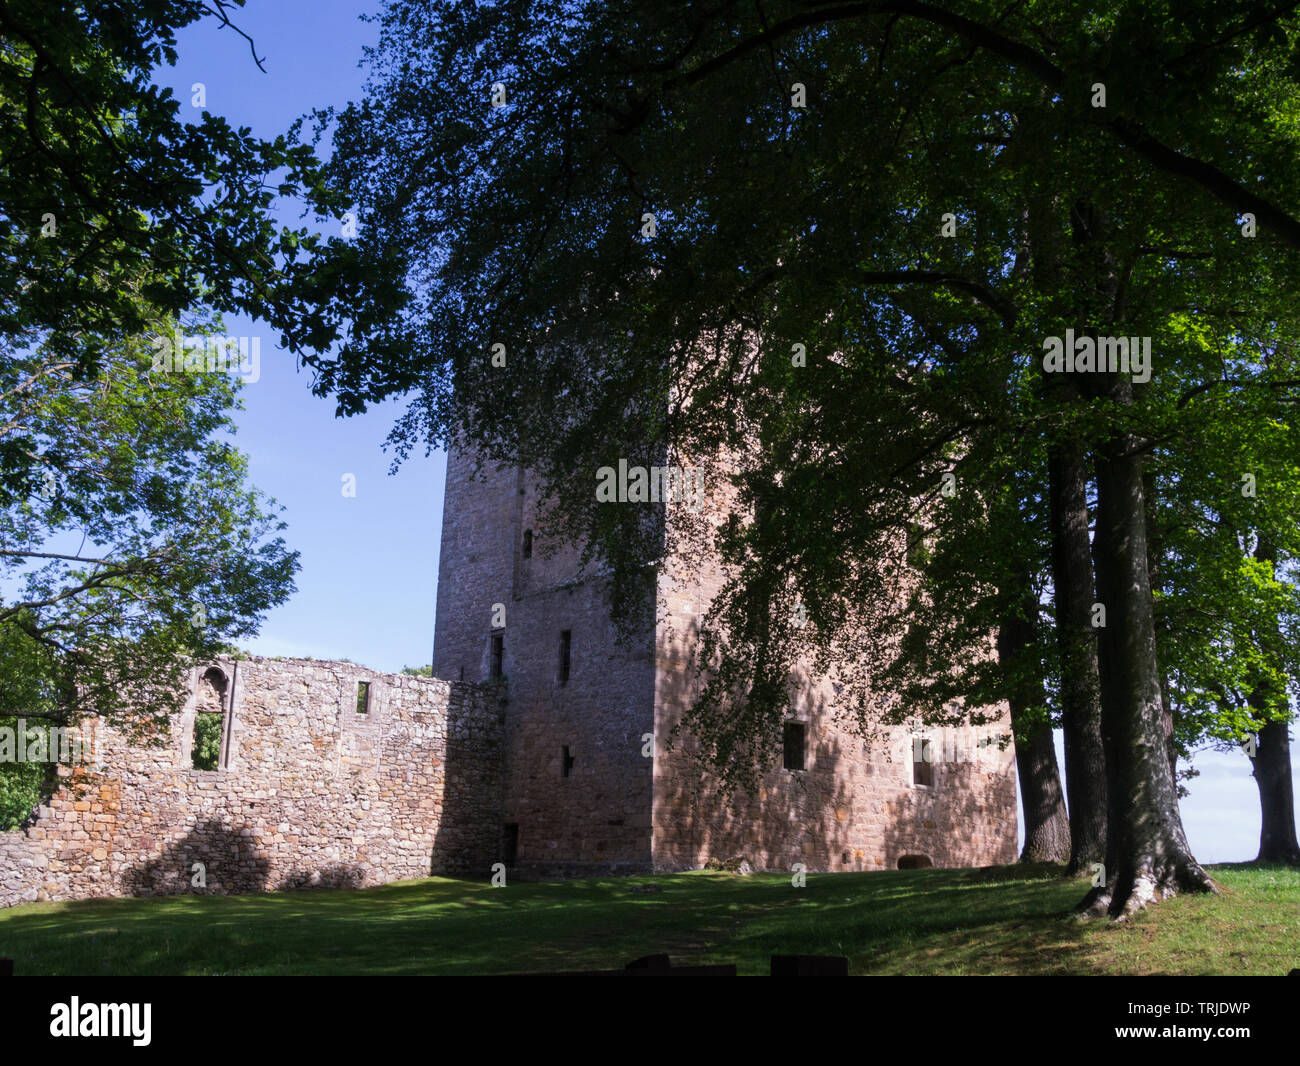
{"x": 1010, "y": 921}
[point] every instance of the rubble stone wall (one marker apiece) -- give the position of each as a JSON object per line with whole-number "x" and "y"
{"x": 310, "y": 791}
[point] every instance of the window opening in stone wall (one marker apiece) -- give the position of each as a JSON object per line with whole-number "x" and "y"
{"x": 498, "y": 652}
{"x": 922, "y": 761}
{"x": 792, "y": 743}
{"x": 566, "y": 649}
{"x": 510, "y": 843}
{"x": 363, "y": 697}
{"x": 566, "y": 762}
{"x": 528, "y": 543}
{"x": 209, "y": 720}
{"x": 917, "y": 548}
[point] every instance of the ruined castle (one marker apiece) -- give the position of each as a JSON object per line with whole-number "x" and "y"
{"x": 539, "y": 745}
{"x": 590, "y": 785}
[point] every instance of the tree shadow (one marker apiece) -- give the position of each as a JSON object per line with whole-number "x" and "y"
{"x": 850, "y": 809}
{"x": 794, "y": 816}
{"x": 211, "y": 859}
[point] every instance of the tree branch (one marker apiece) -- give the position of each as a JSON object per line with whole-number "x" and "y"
{"x": 1005, "y": 311}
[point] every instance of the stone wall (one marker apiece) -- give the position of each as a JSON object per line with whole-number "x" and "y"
{"x": 855, "y": 805}
{"x": 590, "y": 816}
{"x": 618, "y": 810}
{"x": 309, "y": 791}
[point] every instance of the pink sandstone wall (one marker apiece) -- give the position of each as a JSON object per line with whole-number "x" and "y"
{"x": 855, "y": 807}
{"x": 595, "y": 820}
{"x": 310, "y": 793}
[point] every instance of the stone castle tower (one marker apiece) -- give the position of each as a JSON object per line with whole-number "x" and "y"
{"x": 587, "y": 792}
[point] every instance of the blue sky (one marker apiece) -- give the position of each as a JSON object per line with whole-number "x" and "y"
{"x": 370, "y": 563}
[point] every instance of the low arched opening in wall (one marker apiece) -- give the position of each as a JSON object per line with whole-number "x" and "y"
{"x": 915, "y": 862}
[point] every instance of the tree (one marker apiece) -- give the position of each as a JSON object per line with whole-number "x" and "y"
{"x": 142, "y": 550}
{"x": 692, "y": 204}
{"x": 116, "y": 215}
{"x": 128, "y": 539}
{"x": 1227, "y": 603}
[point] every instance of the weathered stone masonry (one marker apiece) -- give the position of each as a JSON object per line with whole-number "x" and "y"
{"x": 556, "y": 768}
{"x": 309, "y": 791}
{"x": 584, "y": 797}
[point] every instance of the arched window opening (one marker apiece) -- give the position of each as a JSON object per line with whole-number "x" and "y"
{"x": 209, "y": 720}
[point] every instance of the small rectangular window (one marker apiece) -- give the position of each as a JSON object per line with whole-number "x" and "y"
{"x": 566, "y": 762}
{"x": 510, "y": 843}
{"x": 793, "y": 744}
{"x": 566, "y": 649}
{"x": 498, "y": 652}
{"x": 528, "y": 543}
{"x": 922, "y": 761}
{"x": 363, "y": 697}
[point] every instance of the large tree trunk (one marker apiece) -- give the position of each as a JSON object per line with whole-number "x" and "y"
{"x": 1271, "y": 765}
{"x": 1148, "y": 855}
{"x": 1154, "y": 555}
{"x": 1085, "y": 760}
{"x": 1272, "y": 770}
{"x": 1071, "y": 560}
{"x": 1047, "y": 828}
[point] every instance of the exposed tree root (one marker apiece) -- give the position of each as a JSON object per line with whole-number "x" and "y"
{"x": 1134, "y": 890}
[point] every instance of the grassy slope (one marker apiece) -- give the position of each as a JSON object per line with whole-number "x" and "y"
{"x": 1005, "y": 920}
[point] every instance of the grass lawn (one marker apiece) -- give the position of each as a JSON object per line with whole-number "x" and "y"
{"x": 1001, "y": 920}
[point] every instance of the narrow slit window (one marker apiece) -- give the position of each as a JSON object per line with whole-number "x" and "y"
{"x": 528, "y": 543}
{"x": 566, "y": 762}
{"x": 566, "y": 653}
{"x": 510, "y": 844}
{"x": 363, "y": 697}
{"x": 792, "y": 743}
{"x": 917, "y": 549}
{"x": 922, "y": 761}
{"x": 498, "y": 652}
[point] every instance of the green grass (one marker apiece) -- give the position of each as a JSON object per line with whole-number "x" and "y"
{"x": 1002, "y": 920}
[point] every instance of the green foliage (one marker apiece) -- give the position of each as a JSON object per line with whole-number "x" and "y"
{"x": 419, "y": 671}
{"x": 22, "y": 784}
{"x": 147, "y": 548}
{"x": 821, "y": 226}
{"x": 206, "y": 753}
{"x": 129, "y": 540}
{"x": 115, "y": 213}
